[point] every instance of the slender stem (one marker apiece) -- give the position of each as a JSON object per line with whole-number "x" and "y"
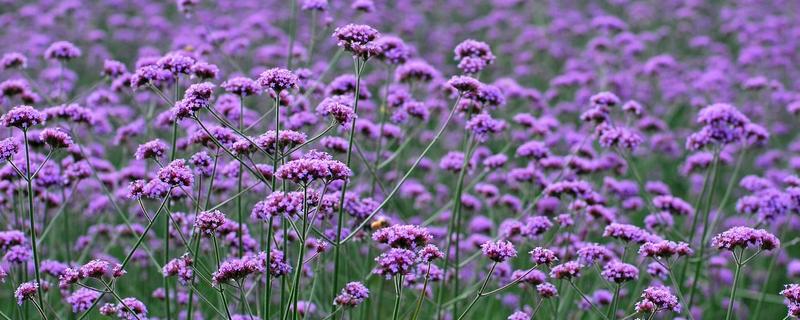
{"x": 612, "y": 312}
{"x": 422, "y": 293}
{"x": 31, "y": 218}
{"x": 480, "y": 292}
{"x": 166, "y": 260}
{"x": 189, "y": 314}
{"x": 299, "y": 266}
{"x": 407, "y": 174}
{"x": 221, "y": 289}
{"x": 268, "y": 294}
{"x": 382, "y": 120}
{"x": 340, "y": 220}
{"x": 398, "y": 290}
{"x": 704, "y": 234}
{"x": 536, "y": 309}
{"x": 594, "y": 308}
{"x": 239, "y": 199}
{"x": 733, "y": 290}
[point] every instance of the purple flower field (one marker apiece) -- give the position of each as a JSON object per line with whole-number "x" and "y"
{"x": 360, "y": 159}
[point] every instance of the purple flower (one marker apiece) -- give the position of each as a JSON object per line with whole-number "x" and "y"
{"x": 395, "y": 262}
{"x": 657, "y": 298}
{"x": 745, "y": 237}
{"x": 8, "y": 148}
{"x": 241, "y": 86}
{"x": 153, "y": 149}
{"x": 25, "y": 291}
{"x": 567, "y": 270}
{"x": 620, "y": 272}
{"x": 629, "y": 233}
{"x": 209, "y": 221}
{"x": 673, "y": 205}
{"x": 62, "y": 50}
{"x": 176, "y": 174}
{"x": 22, "y": 117}
{"x": 304, "y": 171}
{"x": 591, "y": 253}
{"x": 318, "y": 5}
{"x": 82, "y": 299}
{"x": 278, "y": 203}
{"x": 392, "y": 50}
{"x": 483, "y": 124}
{"x": 465, "y": 84}
{"x": 237, "y": 269}
{"x": 429, "y": 253}
{"x": 13, "y": 60}
{"x": 543, "y": 256}
{"x": 665, "y": 249}
{"x": 277, "y": 79}
{"x": 181, "y": 267}
{"x": 547, "y": 290}
{"x": 498, "y": 251}
{"x": 338, "y": 108}
{"x": 114, "y": 69}
{"x": 131, "y": 309}
{"x": 403, "y": 236}
{"x": 353, "y": 294}
{"x": 357, "y": 39}
{"x": 176, "y": 63}
{"x": 473, "y": 56}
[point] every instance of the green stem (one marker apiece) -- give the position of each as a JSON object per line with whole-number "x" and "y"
{"x": 594, "y": 308}
{"x": 422, "y": 293}
{"x": 398, "y": 290}
{"x": 340, "y": 221}
{"x": 480, "y": 292}
{"x": 32, "y": 223}
{"x": 221, "y": 288}
{"x": 733, "y": 290}
{"x": 704, "y": 234}
{"x": 612, "y": 312}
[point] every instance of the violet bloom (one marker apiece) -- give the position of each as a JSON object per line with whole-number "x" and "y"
{"x": 657, "y": 298}
{"x": 209, "y": 221}
{"x": 278, "y": 204}
{"x": 543, "y": 256}
{"x": 547, "y": 290}
{"x": 55, "y": 138}
{"x": 22, "y": 117}
{"x": 62, "y": 50}
{"x": 277, "y": 79}
{"x": 131, "y": 309}
{"x": 498, "y": 251}
{"x": 176, "y": 174}
{"x": 567, "y": 270}
{"x": 619, "y": 272}
{"x": 236, "y": 269}
{"x": 8, "y": 148}
{"x": 25, "y": 291}
{"x": 357, "y": 39}
{"x": 353, "y": 294}
{"x": 403, "y": 236}
{"x": 791, "y": 293}
{"x": 430, "y": 253}
{"x": 395, "y": 262}
{"x": 241, "y": 86}
{"x": 338, "y": 108}
{"x": 180, "y": 267}
{"x": 664, "y": 249}
{"x": 473, "y": 56}
{"x": 82, "y": 299}
{"x": 13, "y": 60}
{"x": 745, "y": 237}
{"x": 154, "y": 149}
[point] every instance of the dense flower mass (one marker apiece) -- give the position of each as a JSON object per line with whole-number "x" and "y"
{"x": 317, "y": 159}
